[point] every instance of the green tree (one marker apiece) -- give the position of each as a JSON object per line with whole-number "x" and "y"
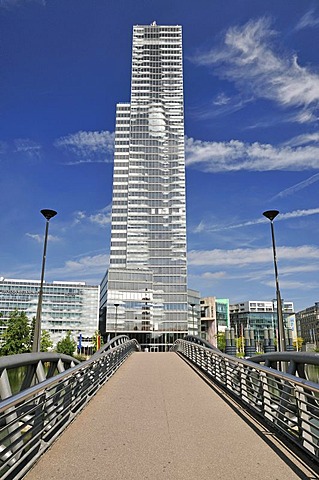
{"x": 67, "y": 345}
{"x": 16, "y": 338}
{"x": 298, "y": 343}
{"x": 221, "y": 341}
{"x": 45, "y": 342}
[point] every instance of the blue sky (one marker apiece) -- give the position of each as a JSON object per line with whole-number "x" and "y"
{"x": 251, "y": 82}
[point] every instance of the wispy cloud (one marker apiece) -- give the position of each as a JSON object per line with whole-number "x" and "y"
{"x": 250, "y": 58}
{"x": 101, "y": 217}
{"x": 87, "y": 147}
{"x": 308, "y": 20}
{"x": 304, "y": 139}
{"x": 3, "y": 147}
{"x": 236, "y": 155}
{"x": 299, "y": 186}
{"x": 293, "y": 284}
{"x": 298, "y": 213}
{"x": 79, "y": 215}
{"x": 213, "y": 275}
{"x": 220, "y": 106}
{"x": 221, "y": 99}
{"x": 18, "y": 3}
{"x": 90, "y": 267}
{"x": 202, "y": 226}
{"x": 39, "y": 238}
{"x": 28, "y": 147}
{"x": 249, "y": 256}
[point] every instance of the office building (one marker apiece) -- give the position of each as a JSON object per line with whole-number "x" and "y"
{"x": 193, "y": 312}
{"x": 307, "y": 321}
{"x": 66, "y": 306}
{"x": 214, "y": 317}
{"x": 258, "y": 315}
{"x": 145, "y": 288}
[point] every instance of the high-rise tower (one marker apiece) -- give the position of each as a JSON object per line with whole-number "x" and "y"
{"x": 145, "y": 288}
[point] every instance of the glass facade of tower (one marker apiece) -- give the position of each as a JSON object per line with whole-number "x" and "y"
{"x": 146, "y": 284}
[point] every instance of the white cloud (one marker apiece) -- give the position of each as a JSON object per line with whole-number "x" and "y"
{"x": 87, "y": 267}
{"x": 17, "y": 3}
{"x": 3, "y": 147}
{"x": 289, "y": 269}
{"x": 308, "y": 20}
{"x": 203, "y": 227}
{"x": 78, "y": 217}
{"x": 220, "y": 106}
{"x": 221, "y": 99}
{"x": 27, "y": 146}
{"x": 292, "y": 285}
{"x": 88, "y": 147}
{"x": 297, "y": 187}
{"x": 235, "y": 155}
{"x": 249, "y": 256}
{"x": 249, "y": 58}
{"x": 298, "y": 213}
{"x": 304, "y": 139}
{"x": 40, "y": 238}
{"x": 213, "y": 275}
{"x": 101, "y": 217}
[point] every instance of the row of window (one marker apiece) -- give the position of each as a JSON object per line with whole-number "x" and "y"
{"x": 172, "y": 65}
{"x": 162, "y": 75}
{"x": 120, "y": 224}
{"x": 163, "y": 257}
{"x": 153, "y": 237}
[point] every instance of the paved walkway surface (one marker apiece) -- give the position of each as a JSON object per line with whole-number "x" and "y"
{"x": 157, "y": 419}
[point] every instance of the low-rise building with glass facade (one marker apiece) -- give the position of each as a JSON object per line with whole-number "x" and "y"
{"x": 258, "y": 315}
{"x": 66, "y": 306}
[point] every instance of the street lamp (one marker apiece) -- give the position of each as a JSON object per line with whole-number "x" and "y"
{"x": 116, "y": 305}
{"x": 271, "y": 215}
{"x": 193, "y": 314}
{"x": 48, "y": 214}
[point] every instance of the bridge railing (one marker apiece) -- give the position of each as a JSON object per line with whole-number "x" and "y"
{"x": 296, "y": 362}
{"x": 33, "y": 418}
{"x": 19, "y": 372}
{"x": 289, "y": 403}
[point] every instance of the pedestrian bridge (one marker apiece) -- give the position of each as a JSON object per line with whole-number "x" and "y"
{"x": 190, "y": 413}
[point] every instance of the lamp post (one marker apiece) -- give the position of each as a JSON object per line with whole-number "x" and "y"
{"x": 116, "y": 305}
{"x": 48, "y": 214}
{"x": 193, "y": 315}
{"x": 271, "y": 215}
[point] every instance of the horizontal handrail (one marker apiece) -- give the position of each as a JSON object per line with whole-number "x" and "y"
{"x": 200, "y": 341}
{"x": 289, "y": 403}
{"x": 32, "y": 419}
{"x": 23, "y": 359}
{"x": 309, "y": 358}
{"x": 295, "y": 362}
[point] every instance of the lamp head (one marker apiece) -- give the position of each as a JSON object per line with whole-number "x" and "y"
{"x": 271, "y": 214}
{"x": 48, "y": 214}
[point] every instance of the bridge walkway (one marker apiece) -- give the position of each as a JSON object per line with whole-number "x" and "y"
{"x": 157, "y": 419}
